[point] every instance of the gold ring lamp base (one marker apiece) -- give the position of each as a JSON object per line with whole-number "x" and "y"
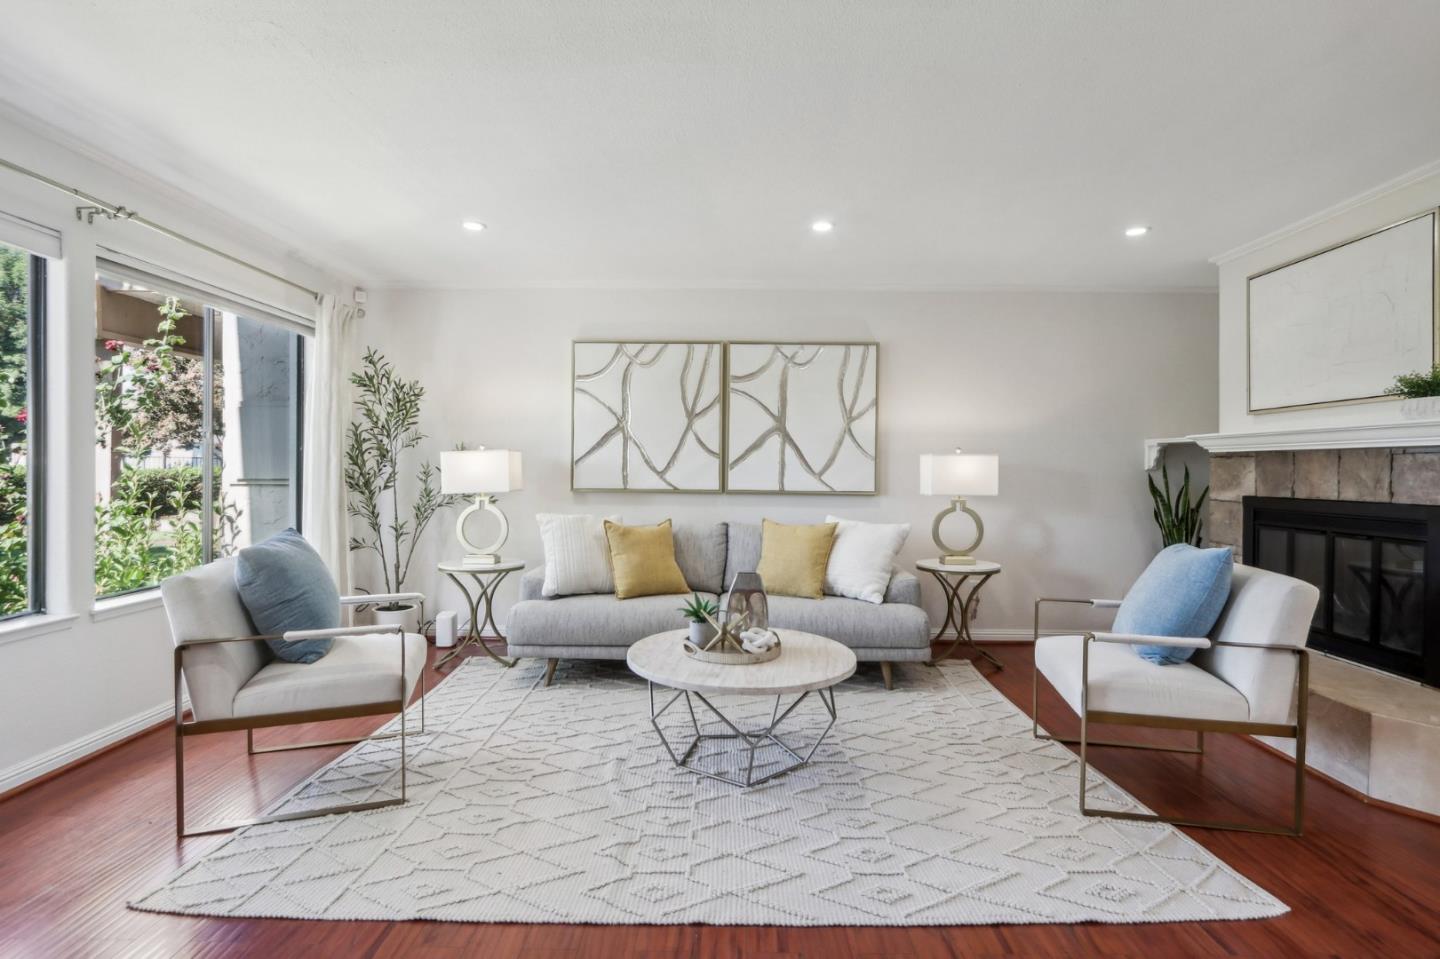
{"x": 949, "y": 555}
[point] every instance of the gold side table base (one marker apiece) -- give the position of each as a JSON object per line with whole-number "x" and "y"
{"x": 967, "y": 605}
{"x": 486, "y": 583}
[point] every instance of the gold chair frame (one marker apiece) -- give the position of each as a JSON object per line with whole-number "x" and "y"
{"x": 251, "y": 723}
{"x": 1296, "y": 731}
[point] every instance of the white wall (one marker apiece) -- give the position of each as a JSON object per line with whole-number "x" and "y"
{"x": 1064, "y": 386}
{"x": 1383, "y": 206}
{"x": 81, "y": 676}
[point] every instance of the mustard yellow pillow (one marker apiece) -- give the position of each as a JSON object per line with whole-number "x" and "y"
{"x": 643, "y": 558}
{"x": 793, "y": 558}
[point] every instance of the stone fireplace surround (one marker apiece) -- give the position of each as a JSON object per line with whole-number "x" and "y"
{"x": 1374, "y": 733}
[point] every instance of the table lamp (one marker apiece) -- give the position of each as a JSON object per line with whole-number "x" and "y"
{"x": 480, "y": 473}
{"x": 959, "y": 475}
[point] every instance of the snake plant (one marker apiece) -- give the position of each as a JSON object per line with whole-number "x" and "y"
{"x": 1179, "y": 519}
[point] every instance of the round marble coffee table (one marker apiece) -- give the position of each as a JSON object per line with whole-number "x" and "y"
{"x": 807, "y": 664}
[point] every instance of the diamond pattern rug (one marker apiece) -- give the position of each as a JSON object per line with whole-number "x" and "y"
{"x": 928, "y": 805}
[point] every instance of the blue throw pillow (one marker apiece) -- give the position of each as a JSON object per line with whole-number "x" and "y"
{"x": 285, "y": 585}
{"x": 1181, "y": 593}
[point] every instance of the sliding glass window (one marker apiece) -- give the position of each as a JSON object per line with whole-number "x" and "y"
{"x": 22, "y": 314}
{"x": 198, "y": 410}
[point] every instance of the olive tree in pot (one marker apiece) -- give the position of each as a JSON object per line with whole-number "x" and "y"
{"x": 385, "y": 426}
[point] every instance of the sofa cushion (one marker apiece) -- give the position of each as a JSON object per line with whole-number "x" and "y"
{"x": 597, "y": 620}
{"x": 1273, "y": 610}
{"x": 793, "y": 558}
{"x": 577, "y": 556}
{"x": 855, "y": 623}
{"x": 862, "y": 558}
{"x": 700, "y": 551}
{"x": 358, "y": 670}
{"x": 643, "y": 558}
{"x": 203, "y": 603}
{"x": 1122, "y": 682}
{"x": 1181, "y": 593}
{"x": 742, "y": 550}
{"x": 285, "y": 585}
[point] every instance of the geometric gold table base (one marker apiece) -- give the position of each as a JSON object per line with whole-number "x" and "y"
{"x": 960, "y": 609}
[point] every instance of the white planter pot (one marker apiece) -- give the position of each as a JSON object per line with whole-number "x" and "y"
{"x": 407, "y": 616}
{"x": 1421, "y": 408}
{"x": 700, "y": 634}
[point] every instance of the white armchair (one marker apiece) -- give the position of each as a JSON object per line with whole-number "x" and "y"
{"x": 236, "y": 683}
{"x": 1249, "y": 676}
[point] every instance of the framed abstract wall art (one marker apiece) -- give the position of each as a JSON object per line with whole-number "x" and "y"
{"x": 647, "y": 416}
{"x": 801, "y": 417}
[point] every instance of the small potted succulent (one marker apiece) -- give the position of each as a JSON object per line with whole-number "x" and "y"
{"x": 699, "y": 611}
{"x": 1420, "y": 393}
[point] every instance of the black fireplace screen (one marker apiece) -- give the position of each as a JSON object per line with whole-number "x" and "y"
{"x": 1377, "y": 566}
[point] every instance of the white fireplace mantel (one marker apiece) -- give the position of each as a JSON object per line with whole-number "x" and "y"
{"x": 1388, "y": 435}
{"x": 1405, "y": 433}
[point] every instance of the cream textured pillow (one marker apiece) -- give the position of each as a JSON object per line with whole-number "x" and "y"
{"x": 862, "y": 558}
{"x": 643, "y": 558}
{"x": 793, "y": 558}
{"x": 577, "y": 555}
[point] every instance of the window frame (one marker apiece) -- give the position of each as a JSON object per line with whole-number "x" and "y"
{"x": 38, "y": 297}
{"x": 215, "y": 302}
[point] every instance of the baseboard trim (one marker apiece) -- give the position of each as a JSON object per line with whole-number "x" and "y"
{"x": 32, "y": 772}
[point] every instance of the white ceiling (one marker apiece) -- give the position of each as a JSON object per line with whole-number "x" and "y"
{"x": 673, "y": 143}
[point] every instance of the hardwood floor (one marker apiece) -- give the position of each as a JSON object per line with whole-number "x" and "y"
{"x": 1362, "y": 882}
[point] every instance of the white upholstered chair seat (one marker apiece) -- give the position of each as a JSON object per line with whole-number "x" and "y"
{"x": 357, "y": 670}
{"x": 1122, "y": 682}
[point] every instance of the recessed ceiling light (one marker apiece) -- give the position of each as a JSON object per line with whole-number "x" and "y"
{"x": 822, "y": 226}
{"x": 474, "y": 226}
{"x": 1136, "y": 230}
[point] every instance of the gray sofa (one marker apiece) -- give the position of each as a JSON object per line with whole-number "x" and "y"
{"x": 603, "y": 627}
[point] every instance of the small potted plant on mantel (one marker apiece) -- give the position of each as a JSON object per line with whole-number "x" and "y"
{"x": 699, "y": 611}
{"x": 1420, "y": 393}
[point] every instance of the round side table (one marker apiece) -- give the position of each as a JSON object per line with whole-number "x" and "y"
{"x": 962, "y": 585}
{"x": 486, "y": 580}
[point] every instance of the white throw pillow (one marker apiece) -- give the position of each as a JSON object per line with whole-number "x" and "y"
{"x": 862, "y": 558}
{"x": 577, "y": 555}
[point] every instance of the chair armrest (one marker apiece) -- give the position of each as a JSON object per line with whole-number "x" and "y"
{"x": 1137, "y": 639}
{"x": 366, "y": 599}
{"x": 532, "y": 584}
{"x": 329, "y": 633}
{"x": 213, "y": 640}
{"x": 902, "y": 588}
{"x": 1096, "y": 603}
{"x": 1278, "y": 647}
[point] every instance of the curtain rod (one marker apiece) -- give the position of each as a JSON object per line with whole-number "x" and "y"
{"x": 96, "y": 206}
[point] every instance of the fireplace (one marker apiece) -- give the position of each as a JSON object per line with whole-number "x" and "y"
{"x": 1377, "y": 566}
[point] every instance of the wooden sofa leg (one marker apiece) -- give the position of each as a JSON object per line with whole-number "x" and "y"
{"x": 887, "y": 669}
{"x": 550, "y": 665}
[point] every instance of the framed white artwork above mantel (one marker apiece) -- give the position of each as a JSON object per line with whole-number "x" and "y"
{"x": 1338, "y": 325}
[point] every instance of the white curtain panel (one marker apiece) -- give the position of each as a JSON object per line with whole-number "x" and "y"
{"x": 327, "y": 411}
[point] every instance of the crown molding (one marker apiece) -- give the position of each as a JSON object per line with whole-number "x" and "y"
{"x": 1344, "y": 206}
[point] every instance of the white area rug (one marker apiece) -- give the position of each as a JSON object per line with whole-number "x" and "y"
{"x": 928, "y": 805}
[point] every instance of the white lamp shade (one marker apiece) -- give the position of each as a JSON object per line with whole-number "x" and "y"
{"x": 959, "y": 474}
{"x": 465, "y": 472}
